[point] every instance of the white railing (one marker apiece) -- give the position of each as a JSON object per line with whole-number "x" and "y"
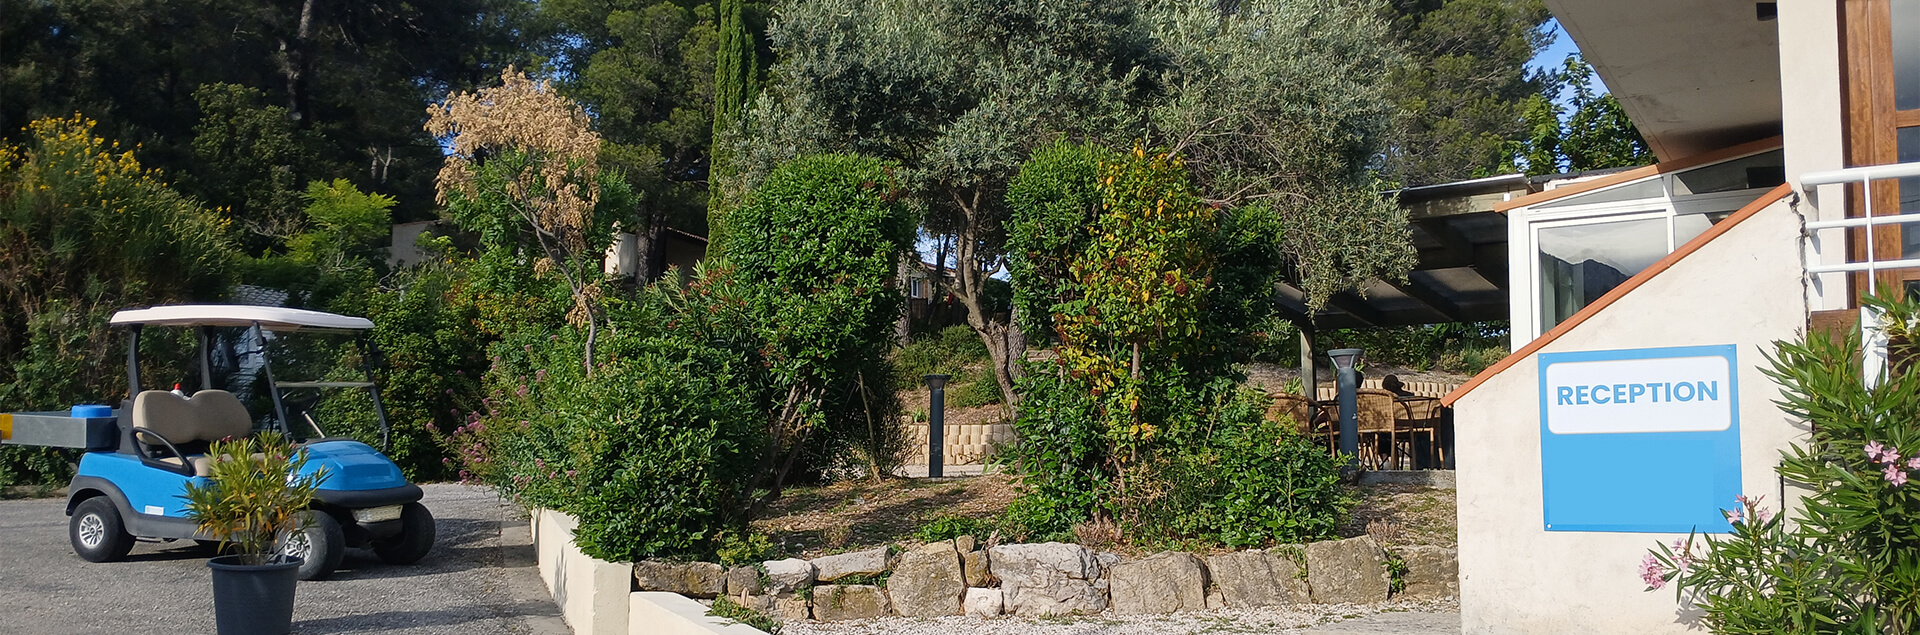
{"x": 1865, "y": 176}
{"x": 1873, "y": 340}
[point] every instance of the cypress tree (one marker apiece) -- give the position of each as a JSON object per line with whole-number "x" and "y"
{"x": 735, "y": 73}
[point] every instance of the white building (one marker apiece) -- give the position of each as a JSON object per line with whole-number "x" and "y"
{"x": 1633, "y": 408}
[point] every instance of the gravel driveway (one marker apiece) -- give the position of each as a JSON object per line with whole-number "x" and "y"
{"x": 478, "y": 580}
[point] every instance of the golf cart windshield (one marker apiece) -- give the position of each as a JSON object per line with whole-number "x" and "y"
{"x": 305, "y": 373}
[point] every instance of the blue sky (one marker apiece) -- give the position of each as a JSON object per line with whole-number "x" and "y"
{"x": 1556, "y": 52}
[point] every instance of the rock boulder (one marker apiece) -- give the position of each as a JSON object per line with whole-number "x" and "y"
{"x": 1251, "y": 578}
{"x": 691, "y": 579}
{"x": 984, "y": 602}
{"x": 974, "y": 564}
{"x": 1352, "y": 571}
{"x": 1161, "y": 583}
{"x": 928, "y": 582}
{"x": 743, "y": 581}
{"x": 1432, "y": 573}
{"x": 833, "y": 603}
{"x": 870, "y": 562}
{"x": 1048, "y": 579}
{"x": 784, "y": 577}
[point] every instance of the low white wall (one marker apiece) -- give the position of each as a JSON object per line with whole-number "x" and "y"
{"x": 597, "y": 598}
{"x": 659, "y": 613}
{"x": 592, "y": 593}
{"x": 1743, "y": 288}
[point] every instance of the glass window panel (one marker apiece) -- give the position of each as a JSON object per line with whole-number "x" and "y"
{"x": 1767, "y": 169}
{"x": 1649, "y": 188}
{"x": 1909, "y": 140}
{"x": 1906, "y": 54}
{"x": 1685, "y": 227}
{"x": 1580, "y": 263}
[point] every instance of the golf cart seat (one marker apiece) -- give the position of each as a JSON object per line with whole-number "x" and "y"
{"x": 186, "y": 425}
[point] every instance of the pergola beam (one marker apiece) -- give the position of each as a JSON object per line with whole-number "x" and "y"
{"x": 1422, "y": 293}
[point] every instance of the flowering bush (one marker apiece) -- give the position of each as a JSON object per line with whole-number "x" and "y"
{"x": 1849, "y": 562}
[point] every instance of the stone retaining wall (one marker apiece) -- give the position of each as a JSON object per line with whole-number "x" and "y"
{"x": 963, "y": 577}
{"x": 962, "y": 443}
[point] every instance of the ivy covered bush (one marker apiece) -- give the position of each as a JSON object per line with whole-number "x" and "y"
{"x": 1142, "y": 419}
{"x": 1847, "y": 558}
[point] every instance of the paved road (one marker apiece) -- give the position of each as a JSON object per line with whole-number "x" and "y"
{"x": 479, "y": 580}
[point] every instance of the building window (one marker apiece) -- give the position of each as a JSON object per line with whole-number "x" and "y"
{"x": 1580, "y": 246}
{"x": 1881, "y": 74}
{"x": 1580, "y": 262}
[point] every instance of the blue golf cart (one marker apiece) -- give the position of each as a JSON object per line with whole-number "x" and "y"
{"x": 140, "y": 456}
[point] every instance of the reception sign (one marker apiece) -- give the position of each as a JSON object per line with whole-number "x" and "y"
{"x": 1640, "y": 440}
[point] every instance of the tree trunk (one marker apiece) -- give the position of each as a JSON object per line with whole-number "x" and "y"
{"x": 296, "y": 63}
{"x": 650, "y": 241}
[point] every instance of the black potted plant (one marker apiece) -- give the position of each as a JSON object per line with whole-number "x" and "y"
{"x": 253, "y": 498}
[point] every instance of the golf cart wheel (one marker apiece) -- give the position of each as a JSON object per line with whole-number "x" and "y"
{"x": 415, "y": 539}
{"x": 320, "y": 545}
{"x": 97, "y": 533}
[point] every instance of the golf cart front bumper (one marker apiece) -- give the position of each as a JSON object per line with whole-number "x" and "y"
{"x": 363, "y": 498}
{"x": 366, "y": 516}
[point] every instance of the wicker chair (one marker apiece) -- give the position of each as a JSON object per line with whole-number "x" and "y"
{"x": 1308, "y": 418}
{"x": 1420, "y": 417}
{"x": 1376, "y": 410}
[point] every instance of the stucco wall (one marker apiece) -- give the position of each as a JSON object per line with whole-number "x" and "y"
{"x": 592, "y": 594}
{"x": 1743, "y": 288}
{"x": 1811, "y": 120}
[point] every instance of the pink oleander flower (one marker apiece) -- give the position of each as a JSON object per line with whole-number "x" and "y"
{"x": 1764, "y": 514}
{"x": 1913, "y": 463}
{"x": 1733, "y": 516}
{"x": 1652, "y": 573}
{"x": 1895, "y": 475}
{"x": 1682, "y": 554}
{"x": 1874, "y": 450}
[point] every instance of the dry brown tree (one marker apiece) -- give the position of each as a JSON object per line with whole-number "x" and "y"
{"x": 524, "y": 146}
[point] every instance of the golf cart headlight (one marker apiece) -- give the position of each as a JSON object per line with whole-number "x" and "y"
{"x": 376, "y": 514}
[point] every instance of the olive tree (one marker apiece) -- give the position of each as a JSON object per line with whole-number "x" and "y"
{"x": 1272, "y": 105}
{"x": 958, "y": 93}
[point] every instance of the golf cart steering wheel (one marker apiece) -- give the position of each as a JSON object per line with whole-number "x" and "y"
{"x": 147, "y": 453}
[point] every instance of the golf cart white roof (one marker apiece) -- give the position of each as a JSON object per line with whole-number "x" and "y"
{"x": 271, "y": 318}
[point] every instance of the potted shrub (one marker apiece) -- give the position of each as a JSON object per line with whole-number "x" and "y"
{"x": 252, "y": 498}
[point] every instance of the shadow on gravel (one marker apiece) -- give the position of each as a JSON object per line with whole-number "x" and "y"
{"x": 395, "y": 620}
{"x": 188, "y": 551}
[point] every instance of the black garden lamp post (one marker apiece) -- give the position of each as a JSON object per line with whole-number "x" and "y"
{"x": 936, "y": 423}
{"x": 1344, "y": 361}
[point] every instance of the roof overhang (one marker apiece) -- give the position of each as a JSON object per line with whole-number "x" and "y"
{"x": 271, "y": 318}
{"x": 1693, "y": 75}
{"x": 1461, "y": 275}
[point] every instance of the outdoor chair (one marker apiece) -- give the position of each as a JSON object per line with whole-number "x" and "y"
{"x": 1376, "y": 410}
{"x": 1419, "y": 417}
{"x": 1307, "y": 416}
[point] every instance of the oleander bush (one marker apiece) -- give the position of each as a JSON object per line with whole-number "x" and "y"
{"x": 1847, "y": 559}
